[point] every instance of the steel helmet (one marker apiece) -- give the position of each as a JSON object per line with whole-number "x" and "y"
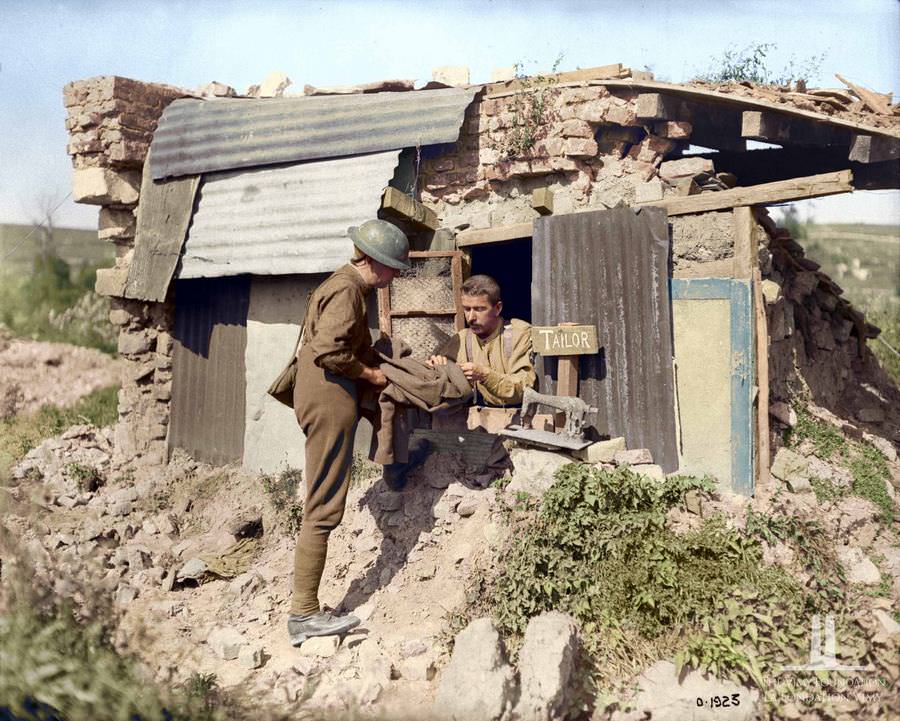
{"x": 383, "y": 241}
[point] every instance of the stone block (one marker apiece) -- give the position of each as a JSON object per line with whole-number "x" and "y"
{"x": 791, "y": 467}
{"x": 226, "y": 643}
{"x": 636, "y": 456}
{"x": 547, "y": 668}
{"x": 674, "y": 129}
{"x": 673, "y": 170}
{"x": 860, "y": 569}
{"x": 533, "y": 470}
{"x": 621, "y": 115}
{"x": 500, "y": 75}
{"x": 115, "y": 223}
{"x": 771, "y": 291}
{"x": 104, "y": 186}
{"x": 119, "y": 316}
{"x": 648, "y": 192}
{"x": 575, "y": 128}
{"x": 784, "y": 413}
{"x": 651, "y": 470}
{"x": 110, "y": 282}
{"x": 320, "y": 646}
{"x": 601, "y": 452}
{"x": 451, "y": 74}
{"x": 580, "y": 148}
{"x": 274, "y": 85}
{"x": 251, "y": 656}
{"x": 478, "y": 683}
{"x": 134, "y": 343}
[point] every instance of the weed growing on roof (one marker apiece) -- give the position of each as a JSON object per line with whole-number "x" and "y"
{"x": 752, "y": 64}
{"x": 867, "y": 465}
{"x": 530, "y": 108}
{"x": 282, "y": 491}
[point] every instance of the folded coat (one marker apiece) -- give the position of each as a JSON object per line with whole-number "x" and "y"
{"x": 411, "y": 384}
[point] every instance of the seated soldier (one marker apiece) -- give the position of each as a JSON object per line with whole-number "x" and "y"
{"x": 494, "y": 355}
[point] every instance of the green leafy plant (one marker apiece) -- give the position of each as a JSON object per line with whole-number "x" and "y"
{"x": 530, "y": 113}
{"x": 362, "y": 469}
{"x": 751, "y": 63}
{"x": 282, "y": 491}
{"x": 88, "y": 478}
{"x": 866, "y": 464}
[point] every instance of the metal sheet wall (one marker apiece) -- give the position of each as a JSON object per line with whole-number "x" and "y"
{"x": 199, "y": 136}
{"x": 610, "y": 268}
{"x": 278, "y": 221}
{"x": 208, "y": 379}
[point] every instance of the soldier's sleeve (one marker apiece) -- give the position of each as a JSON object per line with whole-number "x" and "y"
{"x": 509, "y": 387}
{"x": 332, "y": 344}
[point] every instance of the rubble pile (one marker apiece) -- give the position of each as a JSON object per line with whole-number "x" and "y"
{"x": 818, "y": 339}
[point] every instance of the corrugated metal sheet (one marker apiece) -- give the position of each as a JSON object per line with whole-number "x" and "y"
{"x": 610, "y": 268}
{"x": 277, "y": 221}
{"x": 208, "y": 379}
{"x": 199, "y": 136}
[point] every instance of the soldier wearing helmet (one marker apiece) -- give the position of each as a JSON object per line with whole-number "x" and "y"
{"x": 335, "y": 360}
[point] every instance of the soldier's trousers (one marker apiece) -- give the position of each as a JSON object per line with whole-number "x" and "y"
{"x": 327, "y": 410}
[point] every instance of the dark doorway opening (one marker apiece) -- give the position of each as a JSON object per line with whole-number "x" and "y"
{"x": 509, "y": 263}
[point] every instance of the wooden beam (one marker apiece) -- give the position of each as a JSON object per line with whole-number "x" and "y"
{"x": 494, "y": 235}
{"x": 657, "y": 106}
{"x": 398, "y": 203}
{"x": 416, "y": 313}
{"x": 875, "y": 101}
{"x": 814, "y": 186}
{"x": 745, "y": 249}
{"x": 874, "y": 148}
{"x": 779, "y": 128}
{"x": 542, "y": 201}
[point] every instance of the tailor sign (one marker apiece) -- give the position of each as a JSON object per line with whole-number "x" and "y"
{"x": 564, "y": 340}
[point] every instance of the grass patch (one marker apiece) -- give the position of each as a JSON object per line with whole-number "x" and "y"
{"x": 20, "y": 434}
{"x": 362, "y": 469}
{"x": 282, "y": 493}
{"x": 866, "y": 464}
{"x": 826, "y": 491}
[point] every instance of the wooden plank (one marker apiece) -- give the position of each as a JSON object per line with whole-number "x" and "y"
{"x": 162, "y": 225}
{"x": 384, "y": 311}
{"x": 875, "y": 101}
{"x": 711, "y": 269}
{"x": 433, "y": 253}
{"x": 744, "y": 243}
{"x": 874, "y": 148}
{"x": 416, "y": 313}
{"x": 564, "y": 340}
{"x": 762, "y": 383}
{"x": 739, "y": 102}
{"x": 456, "y": 279}
{"x": 814, "y": 186}
{"x": 542, "y": 201}
{"x": 602, "y": 72}
{"x": 567, "y": 376}
{"x": 398, "y": 203}
{"x": 493, "y": 235}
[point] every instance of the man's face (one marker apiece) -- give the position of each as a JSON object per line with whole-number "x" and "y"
{"x": 481, "y": 316}
{"x": 382, "y": 274}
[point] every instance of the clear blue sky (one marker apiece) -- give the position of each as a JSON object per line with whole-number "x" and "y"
{"x": 43, "y": 45}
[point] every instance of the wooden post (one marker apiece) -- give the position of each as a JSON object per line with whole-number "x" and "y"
{"x": 762, "y": 382}
{"x": 744, "y": 243}
{"x": 567, "y": 375}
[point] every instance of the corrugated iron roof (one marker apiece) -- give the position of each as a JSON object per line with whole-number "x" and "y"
{"x": 275, "y": 221}
{"x": 200, "y": 136}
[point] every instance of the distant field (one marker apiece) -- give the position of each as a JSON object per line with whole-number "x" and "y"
{"x": 863, "y": 259}
{"x": 76, "y": 247}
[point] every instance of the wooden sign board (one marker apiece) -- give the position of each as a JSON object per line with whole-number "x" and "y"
{"x": 565, "y": 340}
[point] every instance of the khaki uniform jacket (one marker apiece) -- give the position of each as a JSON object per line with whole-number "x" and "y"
{"x": 337, "y": 337}
{"x": 506, "y": 381}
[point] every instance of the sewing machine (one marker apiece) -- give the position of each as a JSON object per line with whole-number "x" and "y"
{"x": 571, "y": 437}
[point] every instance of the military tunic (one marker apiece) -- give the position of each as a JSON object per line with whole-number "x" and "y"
{"x": 337, "y": 346}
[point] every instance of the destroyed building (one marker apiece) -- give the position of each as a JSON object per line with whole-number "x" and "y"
{"x": 595, "y": 197}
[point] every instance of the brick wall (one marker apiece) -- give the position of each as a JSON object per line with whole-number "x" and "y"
{"x": 111, "y": 122}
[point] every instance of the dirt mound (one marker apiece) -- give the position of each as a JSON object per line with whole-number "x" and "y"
{"x": 35, "y": 373}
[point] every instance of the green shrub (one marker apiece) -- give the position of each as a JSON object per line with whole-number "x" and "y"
{"x": 752, "y": 64}
{"x": 282, "y": 491}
